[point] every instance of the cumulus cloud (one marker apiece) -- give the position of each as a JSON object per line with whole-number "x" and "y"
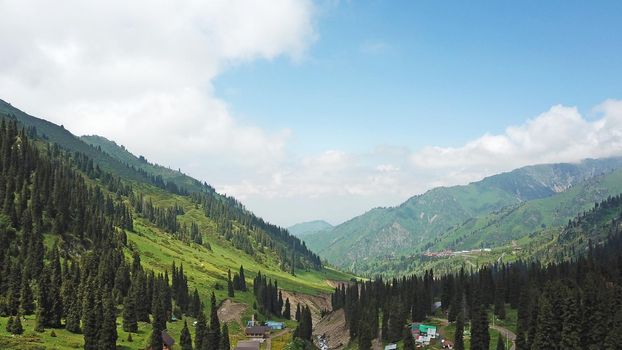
{"x": 322, "y": 183}
{"x": 560, "y": 134}
{"x": 140, "y": 72}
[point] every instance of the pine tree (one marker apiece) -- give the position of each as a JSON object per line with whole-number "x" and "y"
{"x": 571, "y": 325}
{"x": 90, "y": 318}
{"x": 130, "y": 323}
{"x": 230, "y": 291}
{"x": 26, "y": 301}
{"x": 214, "y": 325}
{"x": 298, "y": 312}
{"x": 545, "y": 326}
{"x": 200, "y": 335}
{"x": 287, "y": 314}
{"x": 459, "y": 335}
{"x": 409, "y": 341}
{"x": 185, "y": 339}
{"x": 196, "y": 307}
{"x": 108, "y": 329}
{"x": 225, "y": 343}
{"x": 242, "y": 279}
{"x": 9, "y": 324}
{"x": 17, "y": 326}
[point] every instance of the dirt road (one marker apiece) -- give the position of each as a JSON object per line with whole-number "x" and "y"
{"x": 504, "y": 331}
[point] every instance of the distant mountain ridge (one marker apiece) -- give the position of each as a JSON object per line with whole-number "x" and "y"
{"x": 309, "y": 227}
{"x": 419, "y": 223}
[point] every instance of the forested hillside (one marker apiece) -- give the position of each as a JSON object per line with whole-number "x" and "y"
{"x": 96, "y": 252}
{"x": 572, "y": 304}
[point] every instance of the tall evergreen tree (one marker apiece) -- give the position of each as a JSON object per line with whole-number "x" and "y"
{"x": 108, "y": 329}
{"x": 230, "y": 291}
{"x": 459, "y": 335}
{"x": 409, "y": 341}
{"x": 185, "y": 339}
{"x": 225, "y": 342}
{"x": 200, "y": 335}
{"x": 130, "y": 322}
{"x": 214, "y": 325}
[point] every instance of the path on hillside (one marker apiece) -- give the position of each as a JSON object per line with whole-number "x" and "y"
{"x": 276, "y": 335}
{"x": 502, "y": 330}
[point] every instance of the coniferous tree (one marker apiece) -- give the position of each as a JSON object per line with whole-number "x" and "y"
{"x": 26, "y": 301}
{"x": 185, "y": 339}
{"x": 196, "y": 307}
{"x": 230, "y": 291}
{"x": 200, "y": 335}
{"x": 225, "y": 343}
{"x": 459, "y": 335}
{"x": 297, "y": 312}
{"x": 108, "y": 329}
{"x": 480, "y": 336}
{"x": 545, "y": 326}
{"x": 130, "y": 322}
{"x": 242, "y": 279}
{"x": 286, "y": 311}
{"x": 409, "y": 341}
{"x": 90, "y": 318}
{"x": 571, "y": 325}
{"x": 214, "y": 325}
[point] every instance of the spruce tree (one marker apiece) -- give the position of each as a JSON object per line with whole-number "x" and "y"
{"x": 200, "y": 335}
{"x": 242, "y": 279}
{"x": 298, "y": 312}
{"x": 185, "y": 339}
{"x": 72, "y": 319}
{"x": 214, "y": 325}
{"x": 459, "y": 335}
{"x": 571, "y": 324}
{"x": 225, "y": 342}
{"x": 287, "y": 314}
{"x": 26, "y": 302}
{"x": 90, "y": 318}
{"x": 130, "y": 322}
{"x": 108, "y": 329}
{"x": 409, "y": 341}
{"x": 230, "y": 291}
{"x": 545, "y": 326}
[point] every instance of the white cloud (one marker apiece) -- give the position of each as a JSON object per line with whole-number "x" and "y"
{"x": 318, "y": 186}
{"x": 561, "y": 134}
{"x": 140, "y": 72}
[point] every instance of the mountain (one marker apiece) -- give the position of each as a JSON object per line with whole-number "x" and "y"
{"x": 417, "y": 225}
{"x": 131, "y": 235}
{"x": 305, "y": 228}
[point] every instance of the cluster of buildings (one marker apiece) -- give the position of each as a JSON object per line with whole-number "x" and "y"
{"x": 257, "y": 332}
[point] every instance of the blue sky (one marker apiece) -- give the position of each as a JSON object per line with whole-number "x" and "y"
{"x": 324, "y": 109}
{"x": 419, "y": 73}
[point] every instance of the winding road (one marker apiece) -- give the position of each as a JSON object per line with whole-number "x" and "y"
{"x": 504, "y": 331}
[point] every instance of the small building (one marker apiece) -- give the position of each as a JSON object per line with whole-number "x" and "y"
{"x": 391, "y": 347}
{"x": 274, "y": 325}
{"x": 426, "y": 330}
{"x": 257, "y": 331}
{"x": 247, "y": 345}
{"x": 167, "y": 341}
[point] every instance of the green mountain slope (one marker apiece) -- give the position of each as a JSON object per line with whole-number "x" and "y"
{"x": 306, "y": 228}
{"x": 530, "y": 218}
{"x": 96, "y": 207}
{"x": 414, "y": 226}
{"x": 124, "y": 156}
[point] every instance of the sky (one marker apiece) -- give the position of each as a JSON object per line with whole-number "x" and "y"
{"x": 325, "y": 109}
